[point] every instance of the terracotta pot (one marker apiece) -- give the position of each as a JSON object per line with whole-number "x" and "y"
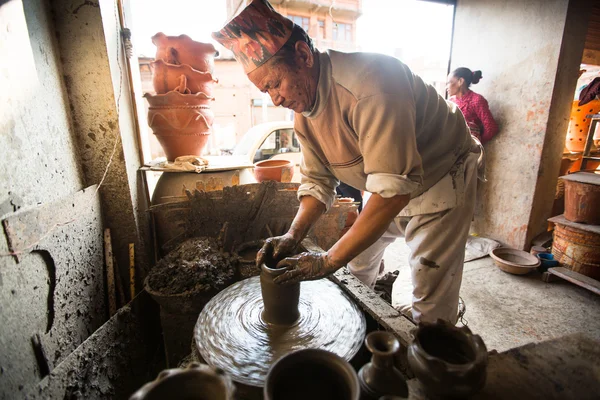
{"x": 579, "y": 124}
{"x": 449, "y": 361}
{"x": 179, "y": 50}
{"x": 167, "y": 77}
{"x": 582, "y": 198}
{"x": 280, "y": 302}
{"x": 577, "y": 249}
{"x": 274, "y": 170}
{"x": 196, "y": 382}
{"x": 311, "y": 374}
{"x": 177, "y": 99}
{"x": 590, "y": 166}
{"x": 380, "y": 377}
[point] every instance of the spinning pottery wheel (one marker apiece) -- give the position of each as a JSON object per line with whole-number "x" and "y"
{"x": 232, "y": 333}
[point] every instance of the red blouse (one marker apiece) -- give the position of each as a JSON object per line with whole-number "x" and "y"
{"x": 477, "y": 114}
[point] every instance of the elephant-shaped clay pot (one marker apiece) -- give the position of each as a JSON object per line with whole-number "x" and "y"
{"x": 182, "y": 50}
{"x": 449, "y": 361}
{"x": 168, "y": 77}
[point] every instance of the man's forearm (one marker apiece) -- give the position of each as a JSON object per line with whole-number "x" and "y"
{"x": 370, "y": 225}
{"x": 310, "y": 211}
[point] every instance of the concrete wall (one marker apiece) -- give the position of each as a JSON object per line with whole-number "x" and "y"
{"x": 529, "y": 84}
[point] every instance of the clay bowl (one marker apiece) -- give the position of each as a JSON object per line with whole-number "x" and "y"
{"x": 514, "y": 261}
{"x": 167, "y": 77}
{"x": 171, "y": 99}
{"x": 274, "y": 170}
{"x": 181, "y": 50}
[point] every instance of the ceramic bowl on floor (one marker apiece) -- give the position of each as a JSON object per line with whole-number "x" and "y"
{"x": 514, "y": 261}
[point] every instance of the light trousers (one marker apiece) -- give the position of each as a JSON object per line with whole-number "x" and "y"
{"x": 437, "y": 252}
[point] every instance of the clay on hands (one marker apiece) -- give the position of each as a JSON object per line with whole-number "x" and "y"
{"x": 306, "y": 266}
{"x": 275, "y": 249}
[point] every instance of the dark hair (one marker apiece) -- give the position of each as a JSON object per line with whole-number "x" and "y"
{"x": 287, "y": 52}
{"x": 470, "y": 77}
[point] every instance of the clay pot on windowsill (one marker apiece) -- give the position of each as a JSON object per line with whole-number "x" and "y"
{"x": 274, "y": 170}
{"x": 167, "y": 77}
{"x": 180, "y": 50}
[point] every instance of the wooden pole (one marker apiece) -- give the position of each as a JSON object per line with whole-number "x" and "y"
{"x": 132, "y": 270}
{"x": 110, "y": 273}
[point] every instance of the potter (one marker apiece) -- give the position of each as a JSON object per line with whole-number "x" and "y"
{"x": 367, "y": 120}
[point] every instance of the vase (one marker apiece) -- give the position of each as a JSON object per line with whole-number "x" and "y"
{"x": 311, "y": 374}
{"x": 274, "y": 170}
{"x": 449, "y": 361}
{"x": 579, "y": 124}
{"x": 196, "y": 382}
{"x": 280, "y": 301}
{"x": 167, "y": 77}
{"x": 380, "y": 377}
{"x": 180, "y": 50}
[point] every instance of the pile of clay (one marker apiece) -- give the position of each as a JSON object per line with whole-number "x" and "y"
{"x": 198, "y": 264}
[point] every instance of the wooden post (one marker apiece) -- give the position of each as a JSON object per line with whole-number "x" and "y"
{"x": 132, "y": 270}
{"x": 110, "y": 273}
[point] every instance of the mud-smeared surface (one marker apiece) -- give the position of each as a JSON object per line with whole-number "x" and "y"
{"x": 231, "y": 334}
{"x": 197, "y": 264}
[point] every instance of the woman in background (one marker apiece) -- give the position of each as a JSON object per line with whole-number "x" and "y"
{"x": 473, "y": 106}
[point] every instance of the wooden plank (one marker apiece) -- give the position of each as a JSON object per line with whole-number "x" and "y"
{"x": 386, "y": 315}
{"x": 576, "y": 278}
{"x": 110, "y": 273}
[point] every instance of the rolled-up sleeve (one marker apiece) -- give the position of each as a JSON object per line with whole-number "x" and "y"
{"x": 316, "y": 178}
{"x": 386, "y": 127}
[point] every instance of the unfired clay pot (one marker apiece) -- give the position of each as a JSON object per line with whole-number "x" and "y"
{"x": 196, "y": 382}
{"x": 280, "y": 302}
{"x": 167, "y": 77}
{"x": 311, "y": 374}
{"x": 179, "y": 50}
{"x": 449, "y": 361}
{"x": 579, "y": 124}
{"x": 274, "y": 170}
{"x": 380, "y": 377}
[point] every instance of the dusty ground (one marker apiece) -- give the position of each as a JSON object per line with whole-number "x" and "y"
{"x": 510, "y": 310}
{"x": 197, "y": 264}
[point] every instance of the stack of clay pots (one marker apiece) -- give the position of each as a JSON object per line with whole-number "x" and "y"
{"x": 179, "y": 114}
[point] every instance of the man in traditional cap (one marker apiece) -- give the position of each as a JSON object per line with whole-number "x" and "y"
{"x": 367, "y": 120}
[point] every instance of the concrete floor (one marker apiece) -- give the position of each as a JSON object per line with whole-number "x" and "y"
{"x": 509, "y": 310}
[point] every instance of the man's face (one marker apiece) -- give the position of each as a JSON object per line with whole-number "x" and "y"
{"x": 289, "y": 86}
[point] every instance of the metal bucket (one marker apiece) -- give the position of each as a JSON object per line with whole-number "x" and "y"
{"x": 577, "y": 250}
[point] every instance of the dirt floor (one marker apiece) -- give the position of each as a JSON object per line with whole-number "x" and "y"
{"x": 510, "y": 310}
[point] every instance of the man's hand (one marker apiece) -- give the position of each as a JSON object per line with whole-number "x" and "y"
{"x": 307, "y": 266}
{"x": 275, "y": 249}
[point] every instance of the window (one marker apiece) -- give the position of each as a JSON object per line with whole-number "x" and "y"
{"x": 278, "y": 142}
{"x": 302, "y": 22}
{"x": 342, "y": 32}
{"x": 322, "y": 34}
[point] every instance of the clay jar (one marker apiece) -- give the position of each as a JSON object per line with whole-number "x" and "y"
{"x": 449, "y": 361}
{"x": 196, "y": 382}
{"x": 274, "y": 170}
{"x": 380, "y": 377}
{"x": 579, "y": 124}
{"x": 280, "y": 301}
{"x": 311, "y": 374}
{"x": 179, "y": 50}
{"x": 167, "y": 77}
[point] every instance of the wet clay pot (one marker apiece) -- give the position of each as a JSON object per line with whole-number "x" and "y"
{"x": 579, "y": 124}
{"x": 379, "y": 377}
{"x": 449, "y": 361}
{"x": 274, "y": 170}
{"x": 311, "y": 374}
{"x": 196, "y": 382}
{"x": 280, "y": 302}
{"x": 179, "y": 50}
{"x": 167, "y": 77}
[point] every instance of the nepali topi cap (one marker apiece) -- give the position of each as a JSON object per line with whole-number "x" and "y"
{"x": 255, "y": 34}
